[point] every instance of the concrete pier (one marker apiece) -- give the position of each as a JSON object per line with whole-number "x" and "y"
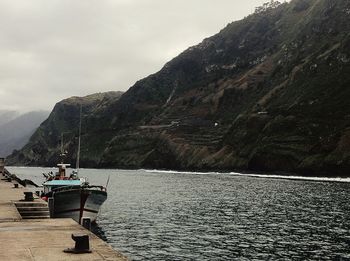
{"x": 42, "y": 239}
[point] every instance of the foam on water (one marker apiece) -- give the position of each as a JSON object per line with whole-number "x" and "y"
{"x": 267, "y": 176}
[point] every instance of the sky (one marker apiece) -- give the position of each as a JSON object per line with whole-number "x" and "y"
{"x": 54, "y": 49}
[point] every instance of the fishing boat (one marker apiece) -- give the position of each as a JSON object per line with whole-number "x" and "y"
{"x": 70, "y": 196}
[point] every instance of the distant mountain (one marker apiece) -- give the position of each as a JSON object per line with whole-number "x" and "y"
{"x": 268, "y": 93}
{"x": 6, "y": 116}
{"x": 15, "y": 133}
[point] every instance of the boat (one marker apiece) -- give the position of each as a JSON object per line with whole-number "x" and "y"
{"x": 70, "y": 196}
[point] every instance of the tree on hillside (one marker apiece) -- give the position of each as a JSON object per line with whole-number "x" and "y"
{"x": 267, "y": 6}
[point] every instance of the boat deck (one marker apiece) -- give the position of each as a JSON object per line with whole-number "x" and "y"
{"x": 42, "y": 239}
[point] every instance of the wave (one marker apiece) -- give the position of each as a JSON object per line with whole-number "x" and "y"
{"x": 181, "y": 172}
{"x": 267, "y": 176}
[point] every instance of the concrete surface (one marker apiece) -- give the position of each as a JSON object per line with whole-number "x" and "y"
{"x": 42, "y": 239}
{"x": 8, "y": 194}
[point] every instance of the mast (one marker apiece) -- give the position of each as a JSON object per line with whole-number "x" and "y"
{"x": 62, "y": 166}
{"x": 62, "y": 152}
{"x": 79, "y": 137}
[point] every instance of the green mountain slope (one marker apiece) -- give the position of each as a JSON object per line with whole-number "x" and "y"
{"x": 267, "y": 93}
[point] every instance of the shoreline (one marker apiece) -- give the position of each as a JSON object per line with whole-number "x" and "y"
{"x": 286, "y": 176}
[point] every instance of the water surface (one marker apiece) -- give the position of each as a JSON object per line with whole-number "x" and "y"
{"x": 151, "y": 215}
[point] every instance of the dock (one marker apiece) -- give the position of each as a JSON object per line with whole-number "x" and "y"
{"x": 42, "y": 238}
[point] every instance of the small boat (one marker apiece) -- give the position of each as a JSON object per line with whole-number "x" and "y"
{"x": 71, "y": 196}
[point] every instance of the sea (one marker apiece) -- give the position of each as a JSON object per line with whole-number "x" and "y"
{"x": 168, "y": 215}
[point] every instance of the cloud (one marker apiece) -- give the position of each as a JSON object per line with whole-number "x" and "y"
{"x": 51, "y": 50}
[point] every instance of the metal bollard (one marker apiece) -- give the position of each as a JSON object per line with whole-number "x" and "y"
{"x": 81, "y": 244}
{"x": 87, "y": 223}
{"x": 28, "y": 196}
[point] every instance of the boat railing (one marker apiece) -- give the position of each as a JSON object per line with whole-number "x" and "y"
{"x": 63, "y": 188}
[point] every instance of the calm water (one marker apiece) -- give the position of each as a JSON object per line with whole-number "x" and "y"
{"x": 174, "y": 216}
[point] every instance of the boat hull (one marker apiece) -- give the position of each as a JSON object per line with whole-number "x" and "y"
{"x": 78, "y": 203}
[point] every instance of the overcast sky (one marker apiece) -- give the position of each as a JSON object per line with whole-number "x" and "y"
{"x": 54, "y": 49}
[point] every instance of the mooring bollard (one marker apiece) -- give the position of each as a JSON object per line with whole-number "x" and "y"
{"x": 2, "y": 166}
{"x": 87, "y": 223}
{"x": 15, "y": 185}
{"x": 28, "y": 196}
{"x": 81, "y": 244}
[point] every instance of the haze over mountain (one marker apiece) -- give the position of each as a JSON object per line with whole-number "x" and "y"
{"x": 7, "y": 115}
{"x": 16, "y": 130}
{"x": 267, "y": 93}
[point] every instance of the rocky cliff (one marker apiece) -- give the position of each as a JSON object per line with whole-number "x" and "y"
{"x": 267, "y": 93}
{"x": 61, "y": 128}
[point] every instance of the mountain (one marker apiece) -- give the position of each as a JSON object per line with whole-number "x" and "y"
{"x": 15, "y": 133}
{"x": 44, "y": 145}
{"x": 7, "y": 115}
{"x": 267, "y": 93}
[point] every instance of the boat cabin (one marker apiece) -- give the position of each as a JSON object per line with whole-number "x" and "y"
{"x": 62, "y": 170}
{"x": 54, "y": 184}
